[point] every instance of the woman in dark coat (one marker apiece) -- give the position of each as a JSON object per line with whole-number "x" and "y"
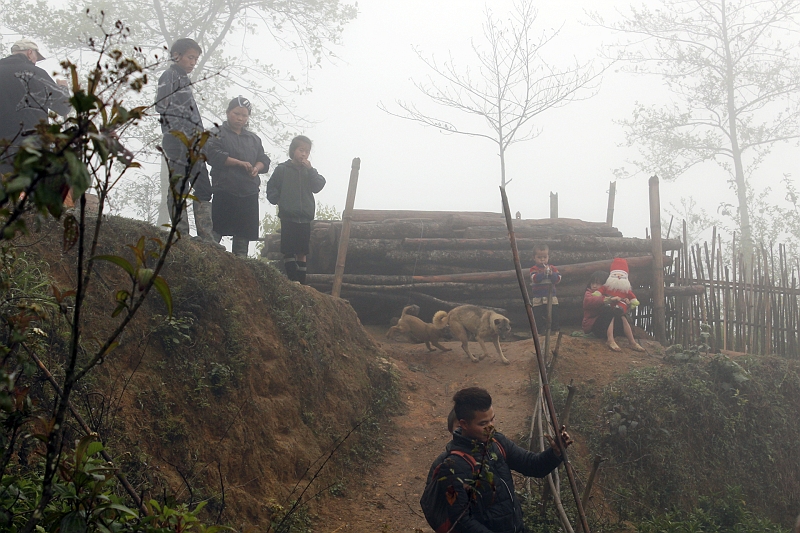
{"x": 237, "y": 157}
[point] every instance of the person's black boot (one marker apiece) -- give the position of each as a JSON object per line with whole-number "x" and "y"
{"x": 290, "y": 266}
{"x": 301, "y": 272}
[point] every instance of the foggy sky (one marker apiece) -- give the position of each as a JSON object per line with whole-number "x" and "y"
{"x": 405, "y": 165}
{"x": 408, "y": 166}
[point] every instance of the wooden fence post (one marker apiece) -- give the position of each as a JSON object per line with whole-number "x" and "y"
{"x": 659, "y": 303}
{"x": 553, "y": 205}
{"x": 336, "y": 290}
{"x": 612, "y": 193}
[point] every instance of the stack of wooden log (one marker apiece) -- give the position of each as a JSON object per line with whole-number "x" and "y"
{"x": 442, "y": 259}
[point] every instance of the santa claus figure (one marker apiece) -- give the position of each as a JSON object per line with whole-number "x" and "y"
{"x": 617, "y": 289}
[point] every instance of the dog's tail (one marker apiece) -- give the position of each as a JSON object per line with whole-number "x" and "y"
{"x": 407, "y": 310}
{"x": 440, "y": 319}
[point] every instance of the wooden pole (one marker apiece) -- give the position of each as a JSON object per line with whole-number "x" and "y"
{"x": 553, "y": 205}
{"x": 590, "y": 482}
{"x": 659, "y": 302}
{"x": 568, "y": 405}
{"x": 612, "y": 193}
{"x": 540, "y": 361}
{"x": 549, "y": 322}
{"x": 345, "y": 236}
{"x": 553, "y": 359}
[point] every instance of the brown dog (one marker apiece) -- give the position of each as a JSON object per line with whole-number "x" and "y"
{"x": 417, "y": 329}
{"x": 482, "y": 323}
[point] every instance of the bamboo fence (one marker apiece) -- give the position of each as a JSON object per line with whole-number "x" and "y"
{"x": 745, "y": 308}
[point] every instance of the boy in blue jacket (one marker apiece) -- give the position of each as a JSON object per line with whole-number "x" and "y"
{"x": 292, "y": 188}
{"x": 483, "y": 499}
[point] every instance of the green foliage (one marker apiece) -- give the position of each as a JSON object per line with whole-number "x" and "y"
{"x": 677, "y": 353}
{"x": 284, "y": 521}
{"x": 327, "y": 212}
{"x": 85, "y": 501}
{"x": 164, "y": 519}
{"x": 718, "y": 513}
{"x": 173, "y": 331}
{"x": 141, "y": 274}
{"x": 290, "y": 311}
{"x": 270, "y": 223}
{"x": 675, "y": 433}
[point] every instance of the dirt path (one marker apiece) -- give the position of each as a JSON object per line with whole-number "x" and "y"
{"x": 388, "y": 501}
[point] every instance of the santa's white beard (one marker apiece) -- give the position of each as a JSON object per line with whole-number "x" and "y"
{"x": 618, "y": 284}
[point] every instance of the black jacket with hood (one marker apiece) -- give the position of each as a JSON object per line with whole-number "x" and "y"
{"x": 493, "y": 506}
{"x": 292, "y": 188}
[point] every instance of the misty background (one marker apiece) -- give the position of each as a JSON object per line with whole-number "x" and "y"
{"x": 405, "y": 165}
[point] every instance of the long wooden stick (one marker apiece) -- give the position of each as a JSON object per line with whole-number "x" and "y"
{"x": 540, "y": 361}
{"x": 587, "y": 491}
{"x": 345, "y": 236}
{"x": 659, "y": 317}
{"x": 612, "y": 193}
{"x": 549, "y": 323}
{"x": 553, "y": 485}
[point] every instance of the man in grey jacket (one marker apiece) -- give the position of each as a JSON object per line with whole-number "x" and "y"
{"x": 178, "y": 112}
{"x": 28, "y": 93}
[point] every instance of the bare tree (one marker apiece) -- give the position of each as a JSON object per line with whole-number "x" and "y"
{"x": 141, "y": 195}
{"x": 233, "y": 34}
{"x": 512, "y": 84}
{"x": 733, "y": 71}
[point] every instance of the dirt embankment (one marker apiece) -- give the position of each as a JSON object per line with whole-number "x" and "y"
{"x": 241, "y": 394}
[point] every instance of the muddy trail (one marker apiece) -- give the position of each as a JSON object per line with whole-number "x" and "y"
{"x": 387, "y": 499}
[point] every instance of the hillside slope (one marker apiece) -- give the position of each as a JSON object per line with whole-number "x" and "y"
{"x": 238, "y": 398}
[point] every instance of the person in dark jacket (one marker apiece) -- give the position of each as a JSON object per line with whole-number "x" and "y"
{"x": 178, "y": 111}
{"x": 292, "y": 188}
{"x": 488, "y": 503}
{"x": 237, "y": 157}
{"x": 28, "y": 93}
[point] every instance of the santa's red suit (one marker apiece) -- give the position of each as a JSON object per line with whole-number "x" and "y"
{"x": 617, "y": 285}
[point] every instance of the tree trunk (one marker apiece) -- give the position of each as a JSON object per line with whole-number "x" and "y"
{"x": 460, "y": 219}
{"x": 487, "y": 259}
{"x": 736, "y": 151}
{"x": 639, "y": 266}
{"x": 572, "y": 243}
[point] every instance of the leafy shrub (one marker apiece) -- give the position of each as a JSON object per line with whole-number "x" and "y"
{"x": 719, "y": 513}
{"x": 676, "y": 434}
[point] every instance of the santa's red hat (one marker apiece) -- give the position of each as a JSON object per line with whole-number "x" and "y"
{"x": 619, "y": 264}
